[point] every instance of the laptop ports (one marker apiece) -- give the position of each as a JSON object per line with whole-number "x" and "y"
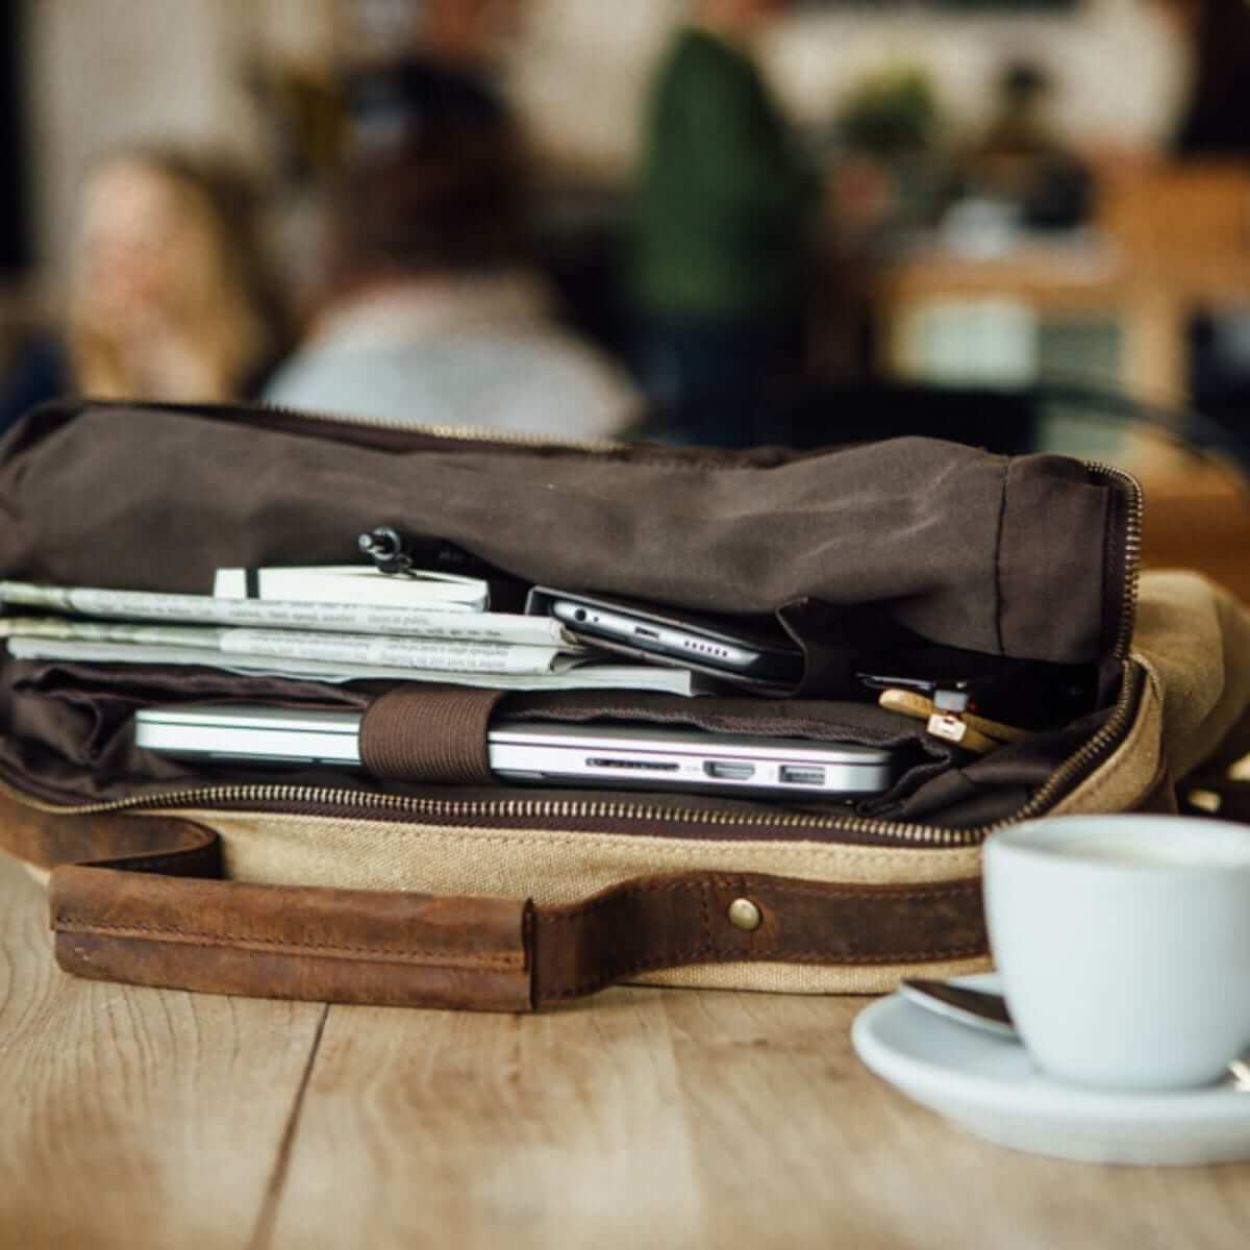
{"x": 726, "y": 770}
{"x": 801, "y": 775}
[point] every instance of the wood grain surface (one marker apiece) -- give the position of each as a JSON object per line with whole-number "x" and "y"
{"x": 133, "y": 1118}
{"x": 141, "y": 1118}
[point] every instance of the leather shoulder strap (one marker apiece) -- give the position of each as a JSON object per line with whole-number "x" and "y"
{"x": 143, "y": 900}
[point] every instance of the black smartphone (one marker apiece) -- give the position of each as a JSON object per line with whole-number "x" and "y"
{"x": 684, "y": 640}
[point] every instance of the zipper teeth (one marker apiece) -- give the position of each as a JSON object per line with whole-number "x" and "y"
{"x": 1105, "y": 738}
{"x": 539, "y": 809}
{"x": 459, "y": 433}
{"x": 542, "y": 809}
{"x": 1131, "y": 554}
{"x": 522, "y": 809}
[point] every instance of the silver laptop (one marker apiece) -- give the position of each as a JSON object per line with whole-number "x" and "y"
{"x": 614, "y": 757}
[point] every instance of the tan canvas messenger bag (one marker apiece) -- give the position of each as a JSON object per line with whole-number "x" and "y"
{"x": 425, "y": 880}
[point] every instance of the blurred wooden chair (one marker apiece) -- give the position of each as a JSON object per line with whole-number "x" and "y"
{"x": 1197, "y": 512}
{"x": 1171, "y": 216}
{"x": 1183, "y": 233}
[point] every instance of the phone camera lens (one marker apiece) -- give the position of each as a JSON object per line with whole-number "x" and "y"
{"x": 580, "y": 614}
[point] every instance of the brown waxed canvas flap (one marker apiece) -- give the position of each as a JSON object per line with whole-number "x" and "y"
{"x": 937, "y": 536}
{"x": 965, "y": 548}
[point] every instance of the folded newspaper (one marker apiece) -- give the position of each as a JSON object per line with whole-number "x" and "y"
{"x": 332, "y": 642}
{"x": 377, "y": 650}
{"x": 338, "y": 617}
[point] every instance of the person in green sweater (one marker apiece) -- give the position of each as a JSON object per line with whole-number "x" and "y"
{"x": 718, "y": 234}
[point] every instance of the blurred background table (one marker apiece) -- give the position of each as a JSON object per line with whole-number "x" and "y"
{"x": 138, "y": 1119}
{"x": 1167, "y": 244}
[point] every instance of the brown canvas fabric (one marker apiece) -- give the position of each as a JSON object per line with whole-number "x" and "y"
{"x": 1195, "y": 638}
{"x": 968, "y": 549}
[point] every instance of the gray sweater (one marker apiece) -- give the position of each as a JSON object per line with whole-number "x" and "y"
{"x": 478, "y": 352}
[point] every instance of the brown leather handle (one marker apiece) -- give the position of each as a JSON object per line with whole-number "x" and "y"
{"x": 143, "y": 900}
{"x": 345, "y": 946}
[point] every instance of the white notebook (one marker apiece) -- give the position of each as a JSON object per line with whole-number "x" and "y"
{"x": 354, "y": 583}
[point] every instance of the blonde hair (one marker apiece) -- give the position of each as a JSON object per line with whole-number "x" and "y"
{"x": 219, "y": 291}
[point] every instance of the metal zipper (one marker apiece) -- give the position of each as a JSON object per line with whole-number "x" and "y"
{"x": 1131, "y": 555}
{"x": 1068, "y": 774}
{"x": 456, "y": 433}
{"x": 1071, "y": 771}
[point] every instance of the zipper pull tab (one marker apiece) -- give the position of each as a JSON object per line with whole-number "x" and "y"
{"x": 385, "y": 546}
{"x": 952, "y": 728}
{"x": 949, "y": 726}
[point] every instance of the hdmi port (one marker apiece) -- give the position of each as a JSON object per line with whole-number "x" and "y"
{"x": 725, "y": 771}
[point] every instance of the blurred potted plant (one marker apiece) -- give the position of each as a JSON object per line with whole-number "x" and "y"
{"x": 887, "y": 129}
{"x": 890, "y": 113}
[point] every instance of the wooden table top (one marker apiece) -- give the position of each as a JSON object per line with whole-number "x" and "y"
{"x": 141, "y": 1118}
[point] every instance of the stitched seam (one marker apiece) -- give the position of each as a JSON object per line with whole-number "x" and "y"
{"x": 998, "y": 559}
{"x": 865, "y": 894}
{"x": 602, "y": 980}
{"x": 70, "y": 924}
{"x": 806, "y": 847}
{"x": 765, "y": 939}
{"x": 707, "y": 951}
{"x": 582, "y": 910}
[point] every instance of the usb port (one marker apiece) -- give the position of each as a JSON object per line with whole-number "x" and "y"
{"x": 801, "y": 775}
{"x": 722, "y": 770}
{"x": 642, "y": 632}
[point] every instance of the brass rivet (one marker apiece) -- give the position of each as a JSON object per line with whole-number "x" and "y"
{"x": 743, "y": 914}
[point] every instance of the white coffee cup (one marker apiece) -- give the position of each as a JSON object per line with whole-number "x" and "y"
{"x": 1124, "y": 945}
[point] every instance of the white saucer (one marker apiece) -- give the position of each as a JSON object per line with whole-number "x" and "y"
{"x": 989, "y": 1086}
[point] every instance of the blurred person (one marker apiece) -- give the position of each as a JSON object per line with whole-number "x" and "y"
{"x": 719, "y": 233}
{"x": 171, "y": 296}
{"x": 466, "y": 33}
{"x": 434, "y": 319}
